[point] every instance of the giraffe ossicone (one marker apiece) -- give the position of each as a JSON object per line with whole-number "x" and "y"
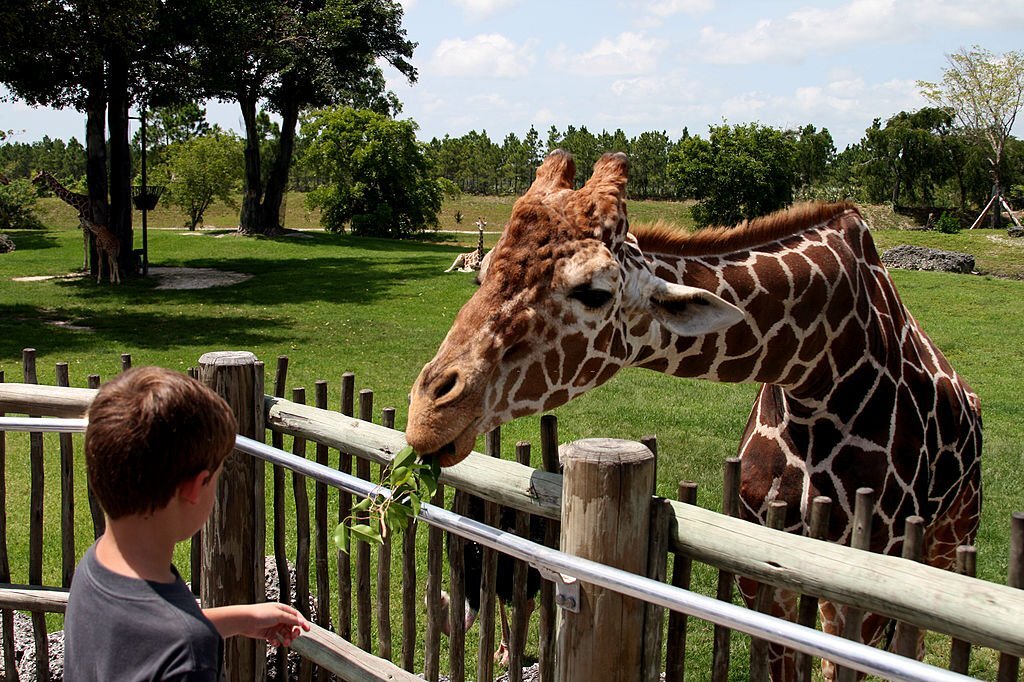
{"x": 854, "y": 392}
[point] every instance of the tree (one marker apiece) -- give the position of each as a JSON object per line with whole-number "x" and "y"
{"x": 908, "y": 157}
{"x": 647, "y": 164}
{"x": 199, "y": 170}
{"x": 739, "y": 172}
{"x": 378, "y": 179}
{"x": 169, "y": 124}
{"x": 293, "y": 56}
{"x": 61, "y": 66}
{"x": 815, "y": 152}
{"x": 18, "y": 204}
{"x": 985, "y": 92}
{"x": 98, "y": 57}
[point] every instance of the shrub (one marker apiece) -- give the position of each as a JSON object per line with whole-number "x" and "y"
{"x": 17, "y": 205}
{"x": 947, "y": 223}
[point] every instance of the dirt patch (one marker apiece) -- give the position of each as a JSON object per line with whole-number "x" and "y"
{"x": 43, "y": 278}
{"x": 195, "y": 278}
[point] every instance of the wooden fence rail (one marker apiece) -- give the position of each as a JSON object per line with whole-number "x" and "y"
{"x": 970, "y": 610}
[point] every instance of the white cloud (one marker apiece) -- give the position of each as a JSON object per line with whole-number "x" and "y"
{"x": 808, "y": 30}
{"x": 846, "y": 107}
{"x": 488, "y": 100}
{"x": 627, "y": 54}
{"x": 489, "y": 55}
{"x": 667, "y": 8}
{"x": 483, "y": 8}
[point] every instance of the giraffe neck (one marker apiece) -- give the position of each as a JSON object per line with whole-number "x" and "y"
{"x": 79, "y": 201}
{"x": 809, "y": 301}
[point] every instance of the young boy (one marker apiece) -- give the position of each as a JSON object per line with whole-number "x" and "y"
{"x": 154, "y": 447}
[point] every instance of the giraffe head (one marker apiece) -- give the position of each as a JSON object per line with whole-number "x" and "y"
{"x": 565, "y": 300}
{"x": 40, "y": 177}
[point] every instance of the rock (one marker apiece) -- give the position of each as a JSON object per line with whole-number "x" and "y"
{"x": 1010, "y": 232}
{"x": 907, "y": 257}
{"x": 6, "y": 245}
{"x": 25, "y": 650}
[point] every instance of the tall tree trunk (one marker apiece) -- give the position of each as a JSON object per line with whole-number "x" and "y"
{"x": 250, "y": 221}
{"x": 277, "y": 180}
{"x": 120, "y": 158}
{"x": 96, "y": 154}
{"x": 896, "y": 193}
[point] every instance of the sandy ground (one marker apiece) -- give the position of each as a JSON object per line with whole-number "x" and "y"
{"x": 194, "y": 278}
{"x": 168, "y": 277}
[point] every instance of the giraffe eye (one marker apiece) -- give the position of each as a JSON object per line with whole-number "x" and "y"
{"x": 591, "y": 297}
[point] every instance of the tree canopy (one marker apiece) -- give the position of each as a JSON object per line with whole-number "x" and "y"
{"x": 293, "y": 56}
{"x": 985, "y": 92}
{"x": 378, "y": 180}
{"x": 738, "y": 173}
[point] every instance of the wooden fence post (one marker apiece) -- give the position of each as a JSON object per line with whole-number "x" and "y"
{"x": 606, "y": 506}
{"x": 233, "y": 551}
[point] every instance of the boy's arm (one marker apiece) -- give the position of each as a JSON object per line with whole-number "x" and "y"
{"x": 274, "y": 622}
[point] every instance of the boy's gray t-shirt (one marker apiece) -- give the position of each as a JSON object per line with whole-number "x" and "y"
{"x": 122, "y": 629}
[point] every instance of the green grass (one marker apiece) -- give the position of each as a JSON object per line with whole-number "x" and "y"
{"x": 380, "y": 309}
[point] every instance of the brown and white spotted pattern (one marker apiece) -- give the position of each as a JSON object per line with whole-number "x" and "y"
{"x": 108, "y": 247}
{"x": 854, "y": 393}
{"x": 467, "y": 262}
{"x": 80, "y": 202}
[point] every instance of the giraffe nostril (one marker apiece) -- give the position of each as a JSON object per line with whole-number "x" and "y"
{"x": 446, "y": 384}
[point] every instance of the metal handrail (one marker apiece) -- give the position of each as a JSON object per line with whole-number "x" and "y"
{"x": 841, "y": 651}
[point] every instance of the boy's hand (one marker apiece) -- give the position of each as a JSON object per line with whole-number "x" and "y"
{"x": 276, "y": 623}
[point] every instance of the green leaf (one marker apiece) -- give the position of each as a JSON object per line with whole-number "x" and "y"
{"x": 366, "y": 533}
{"x": 399, "y": 476}
{"x": 341, "y": 537}
{"x": 405, "y": 457}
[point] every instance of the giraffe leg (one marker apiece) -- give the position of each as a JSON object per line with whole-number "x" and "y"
{"x": 457, "y": 263}
{"x": 501, "y": 656}
{"x": 873, "y": 628}
{"x": 781, "y": 661}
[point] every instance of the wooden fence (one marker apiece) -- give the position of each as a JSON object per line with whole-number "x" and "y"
{"x": 352, "y": 602}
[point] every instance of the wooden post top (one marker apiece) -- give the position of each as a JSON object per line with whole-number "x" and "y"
{"x": 228, "y": 358}
{"x": 606, "y": 451}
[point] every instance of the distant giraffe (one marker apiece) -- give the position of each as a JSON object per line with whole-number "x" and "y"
{"x": 108, "y": 247}
{"x": 80, "y": 202}
{"x": 471, "y": 260}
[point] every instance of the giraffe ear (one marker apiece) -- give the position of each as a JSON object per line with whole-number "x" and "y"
{"x": 689, "y": 311}
{"x": 558, "y": 171}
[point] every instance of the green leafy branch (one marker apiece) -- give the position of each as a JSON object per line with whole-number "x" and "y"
{"x": 374, "y": 517}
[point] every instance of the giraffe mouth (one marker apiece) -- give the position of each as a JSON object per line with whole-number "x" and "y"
{"x": 454, "y": 451}
{"x": 445, "y": 456}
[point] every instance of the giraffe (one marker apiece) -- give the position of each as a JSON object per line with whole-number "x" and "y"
{"x": 853, "y": 392}
{"x": 79, "y": 202}
{"x": 108, "y": 247}
{"x": 471, "y": 260}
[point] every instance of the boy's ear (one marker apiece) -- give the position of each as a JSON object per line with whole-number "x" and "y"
{"x": 190, "y": 489}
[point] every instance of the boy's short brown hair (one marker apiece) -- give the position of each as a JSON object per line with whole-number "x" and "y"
{"x": 150, "y": 429}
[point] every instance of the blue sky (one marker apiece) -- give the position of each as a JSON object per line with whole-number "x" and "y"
{"x": 503, "y": 65}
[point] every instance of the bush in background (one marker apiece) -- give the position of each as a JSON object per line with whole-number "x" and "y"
{"x": 947, "y": 223}
{"x": 17, "y": 205}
